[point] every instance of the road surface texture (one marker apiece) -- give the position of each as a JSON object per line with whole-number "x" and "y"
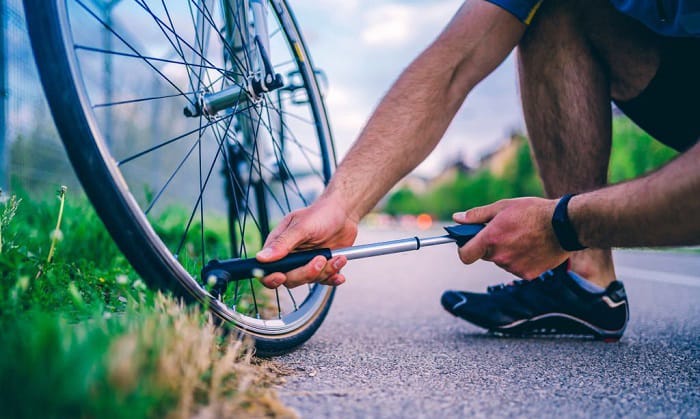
{"x": 388, "y": 349}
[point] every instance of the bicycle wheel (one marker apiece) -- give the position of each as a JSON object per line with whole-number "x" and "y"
{"x": 177, "y": 188}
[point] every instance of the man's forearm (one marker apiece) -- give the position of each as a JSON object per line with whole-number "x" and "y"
{"x": 406, "y": 126}
{"x": 660, "y": 209}
{"x": 410, "y": 120}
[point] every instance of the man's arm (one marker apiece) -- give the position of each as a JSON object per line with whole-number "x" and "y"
{"x": 660, "y": 209}
{"x": 407, "y": 124}
{"x": 412, "y": 117}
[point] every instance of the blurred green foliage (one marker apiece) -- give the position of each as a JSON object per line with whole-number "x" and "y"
{"x": 634, "y": 153}
{"x": 84, "y": 337}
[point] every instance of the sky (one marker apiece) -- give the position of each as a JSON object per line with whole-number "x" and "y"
{"x": 363, "y": 45}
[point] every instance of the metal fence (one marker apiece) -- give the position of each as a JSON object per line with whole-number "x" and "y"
{"x": 31, "y": 155}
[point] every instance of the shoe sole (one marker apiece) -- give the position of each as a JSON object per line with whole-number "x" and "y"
{"x": 558, "y": 324}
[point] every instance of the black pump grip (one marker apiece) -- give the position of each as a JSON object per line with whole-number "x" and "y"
{"x": 462, "y": 233}
{"x": 237, "y": 269}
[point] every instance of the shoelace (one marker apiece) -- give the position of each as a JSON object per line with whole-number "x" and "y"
{"x": 518, "y": 283}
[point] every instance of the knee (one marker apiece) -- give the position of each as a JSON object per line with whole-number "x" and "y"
{"x": 553, "y": 41}
{"x": 577, "y": 36}
{"x": 554, "y": 25}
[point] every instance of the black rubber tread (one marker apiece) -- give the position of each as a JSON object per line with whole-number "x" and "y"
{"x": 266, "y": 348}
{"x": 100, "y": 179}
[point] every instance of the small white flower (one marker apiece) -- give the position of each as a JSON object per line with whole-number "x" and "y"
{"x": 107, "y": 315}
{"x": 23, "y": 283}
{"x": 57, "y": 235}
{"x": 139, "y": 285}
{"x": 122, "y": 279}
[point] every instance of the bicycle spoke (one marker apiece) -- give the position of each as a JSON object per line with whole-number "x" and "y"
{"x": 279, "y": 307}
{"x": 185, "y": 43}
{"x": 301, "y": 147}
{"x": 109, "y": 28}
{"x": 280, "y": 162}
{"x": 129, "y": 101}
{"x": 297, "y": 117}
{"x": 199, "y": 200}
{"x": 250, "y": 176}
{"x": 257, "y": 166}
{"x": 144, "y": 57}
{"x": 224, "y": 43}
{"x": 293, "y": 138}
{"x": 178, "y": 49}
{"x": 250, "y": 280}
{"x": 294, "y": 301}
{"x": 201, "y": 190}
{"x": 283, "y": 63}
{"x": 287, "y": 168}
{"x": 199, "y": 40}
{"x": 235, "y": 184}
{"x": 167, "y": 183}
{"x": 168, "y": 142}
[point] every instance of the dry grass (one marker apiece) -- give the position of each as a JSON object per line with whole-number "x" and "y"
{"x": 180, "y": 352}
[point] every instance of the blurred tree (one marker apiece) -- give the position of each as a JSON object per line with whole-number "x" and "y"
{"x": 403, "y": 201}
{"x": 634, "y": 153}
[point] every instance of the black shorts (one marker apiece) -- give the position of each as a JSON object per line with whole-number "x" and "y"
{"x": 669, "y": 107}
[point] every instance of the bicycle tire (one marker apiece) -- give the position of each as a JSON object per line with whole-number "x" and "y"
{"x": 125, "y": 218}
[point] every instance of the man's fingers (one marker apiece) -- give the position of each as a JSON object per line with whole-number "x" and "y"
{"x": 334, "y": 281}
{"x": 333, "y": 266}
{"x": 307, "y": 273}
{"x": 274, "y": 280}
{"x": 482, "y": 214}
{"x": 318, "y": 270}
{"x": 473, "y": 250}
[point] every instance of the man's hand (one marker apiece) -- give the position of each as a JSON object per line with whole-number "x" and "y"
{"x": 323, "y": 224}
{"x": 518, "y": 237}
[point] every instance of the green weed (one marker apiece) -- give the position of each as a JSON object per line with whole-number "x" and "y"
{"x": 87, "y": 338}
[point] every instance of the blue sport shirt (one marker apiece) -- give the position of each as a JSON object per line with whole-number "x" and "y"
{"x": 680, "y": 18}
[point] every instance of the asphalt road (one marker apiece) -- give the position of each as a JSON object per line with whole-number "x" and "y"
{"x": 387, "y": 348}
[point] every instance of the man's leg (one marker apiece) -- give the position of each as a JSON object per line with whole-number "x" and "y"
{"x": 574, "y": 58}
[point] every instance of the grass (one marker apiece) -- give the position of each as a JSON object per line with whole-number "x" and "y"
{"x": 84, "y": 337}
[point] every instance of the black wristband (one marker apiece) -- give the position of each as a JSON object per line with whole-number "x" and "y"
{"x": 568, "y": 239}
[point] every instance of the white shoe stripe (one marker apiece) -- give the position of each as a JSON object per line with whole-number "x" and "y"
{"x": 461, "y": 303}
{"x": 611, "y": 303}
